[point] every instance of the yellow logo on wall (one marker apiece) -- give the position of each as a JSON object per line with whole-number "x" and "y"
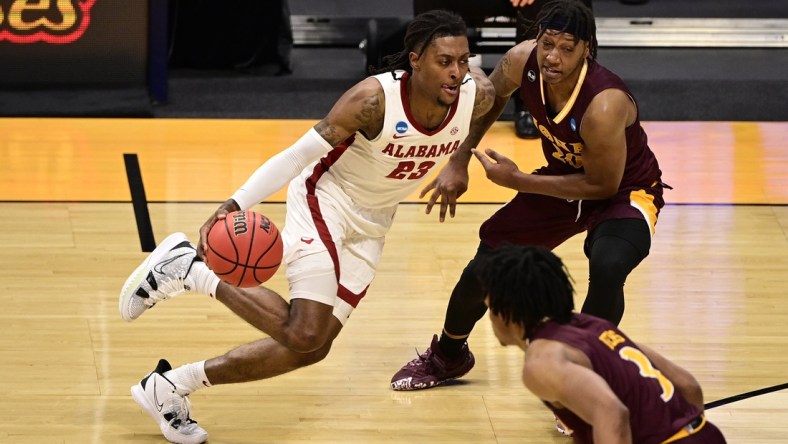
{"x": 50, "y": 21}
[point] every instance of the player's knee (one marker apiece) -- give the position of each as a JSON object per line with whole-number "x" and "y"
{"x": 608, "y": 269}
{"x": 313, "y": 284}
{"x": 614, "y": 263}
{"x": 313, "y": 357}
{"x": 305, "y": 340}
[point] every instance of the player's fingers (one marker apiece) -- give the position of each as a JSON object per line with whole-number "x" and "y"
{"x": 427, "y": 188}
{"x": 492, "y": 154}
{"x": 431, "y": 202}
{"x": 452, "y": 205}
{"x": 444, "y": 207}
{"x": 202, "y": 243}
{"x": 482, "y": 158}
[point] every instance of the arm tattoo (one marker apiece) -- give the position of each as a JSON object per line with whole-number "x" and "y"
{"x": 370, "y": 116}
{"x": 370, "y": 110}
{"x": 328, "y": 132}
{"x": 485, "y": 95}
{"x": 506, "y": 64}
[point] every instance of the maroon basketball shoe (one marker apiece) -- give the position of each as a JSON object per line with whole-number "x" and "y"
{"x": 432, "y": 368}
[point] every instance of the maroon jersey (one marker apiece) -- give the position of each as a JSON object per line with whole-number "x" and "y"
{"x": 657, "y": 411}
{"x": 560, "y": 129}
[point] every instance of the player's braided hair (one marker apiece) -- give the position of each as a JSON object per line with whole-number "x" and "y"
{"x": 570, "y": 16}
{"x": 421, "y": 31}
{"x": 526, "y": 284}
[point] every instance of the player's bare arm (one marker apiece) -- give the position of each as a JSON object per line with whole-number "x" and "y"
{"x": 485, "y": 93}
{"x": 505, "y": 79}
{"x": 361, "y": 108}
{"x": 452, "y": 181}
{"x": 604, "y": 155}
{"x": 562, "y": 376}
{"x": 682, "y": 380}
{"x": 605, "y": 146}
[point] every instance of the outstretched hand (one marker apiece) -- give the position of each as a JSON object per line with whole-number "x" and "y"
{"x": 499, "y": 169}
{"x": 224, "y": 209}
{"x": 450, "y": 184}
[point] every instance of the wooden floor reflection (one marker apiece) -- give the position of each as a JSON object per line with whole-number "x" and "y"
{"x": 710, "y": 295}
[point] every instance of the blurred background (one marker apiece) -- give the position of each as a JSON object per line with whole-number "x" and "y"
{"x": 698, "y": 60}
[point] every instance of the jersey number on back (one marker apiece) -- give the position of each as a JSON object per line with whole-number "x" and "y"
{"x": 408, "y": 170}
{"x": 647, "y": 370}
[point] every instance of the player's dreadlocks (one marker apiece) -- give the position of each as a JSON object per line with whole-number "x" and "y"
{"x": 421, "y": 31}
{"x": 526, "y": 284}
{"x": 570, "y": 16}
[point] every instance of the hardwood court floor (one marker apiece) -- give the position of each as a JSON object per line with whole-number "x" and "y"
{"x": 710, "y": 295}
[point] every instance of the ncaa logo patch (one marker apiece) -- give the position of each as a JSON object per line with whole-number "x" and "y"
{"x": 531, "y": 75}
{"x": 454, "y": 131}
{"x": 402, "y": 127}
{"x": 573, "y": 124}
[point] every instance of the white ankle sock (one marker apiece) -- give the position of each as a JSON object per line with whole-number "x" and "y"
{"x": 204, "y": 280}
{"x": 188, "y": 378}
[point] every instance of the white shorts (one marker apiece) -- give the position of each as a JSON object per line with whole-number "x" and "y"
{"x": 353, "y": 236}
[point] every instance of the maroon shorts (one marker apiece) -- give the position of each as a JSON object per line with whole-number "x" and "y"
{"x": 535, "y": 219}
{"x": 708, "y": 434}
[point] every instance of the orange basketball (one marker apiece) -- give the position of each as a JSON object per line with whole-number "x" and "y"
{"x": 244, "y": 249}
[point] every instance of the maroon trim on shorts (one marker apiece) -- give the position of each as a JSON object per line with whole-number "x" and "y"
{"x": 317, "y": 217}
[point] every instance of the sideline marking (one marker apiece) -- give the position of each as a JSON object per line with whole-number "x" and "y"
{"x": 139, "y": 202}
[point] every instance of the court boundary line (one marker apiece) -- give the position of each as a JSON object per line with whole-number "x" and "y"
{"x": 745, "y": 395}
{"x": 139, "y": 202}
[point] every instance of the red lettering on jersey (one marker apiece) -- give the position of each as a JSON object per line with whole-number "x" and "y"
{"x": 424, "y": 151}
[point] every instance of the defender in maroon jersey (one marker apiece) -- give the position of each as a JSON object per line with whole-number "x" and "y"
{"x": 600, "y": 178}
{"x": 600, "y": 383}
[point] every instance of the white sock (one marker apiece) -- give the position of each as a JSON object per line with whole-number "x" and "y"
{"x": 203, "y": 279}
{"x": 188, "y": 378}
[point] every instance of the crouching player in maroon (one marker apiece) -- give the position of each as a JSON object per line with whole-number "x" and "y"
{"x": 591, "y": 375}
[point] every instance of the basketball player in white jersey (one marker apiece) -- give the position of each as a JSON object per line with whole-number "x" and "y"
{"x": 382, "y": 139}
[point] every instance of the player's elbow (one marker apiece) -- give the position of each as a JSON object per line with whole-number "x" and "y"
{"x": 619, "y": 415}
{"x": 622, "y": 412}
{"x": 611, "y": 421}
{"x": 691, "y": 390}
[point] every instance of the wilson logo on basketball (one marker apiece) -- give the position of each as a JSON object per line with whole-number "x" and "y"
{"x": 49, "y": 21}
{"x": 239, "y": 223}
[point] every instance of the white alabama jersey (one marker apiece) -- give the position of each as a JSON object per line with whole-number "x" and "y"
{"x": 382, "y": 172}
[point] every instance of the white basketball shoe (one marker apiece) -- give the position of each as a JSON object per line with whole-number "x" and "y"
{"x": 162, "y": 275}
{"x": 157, "y": 395}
